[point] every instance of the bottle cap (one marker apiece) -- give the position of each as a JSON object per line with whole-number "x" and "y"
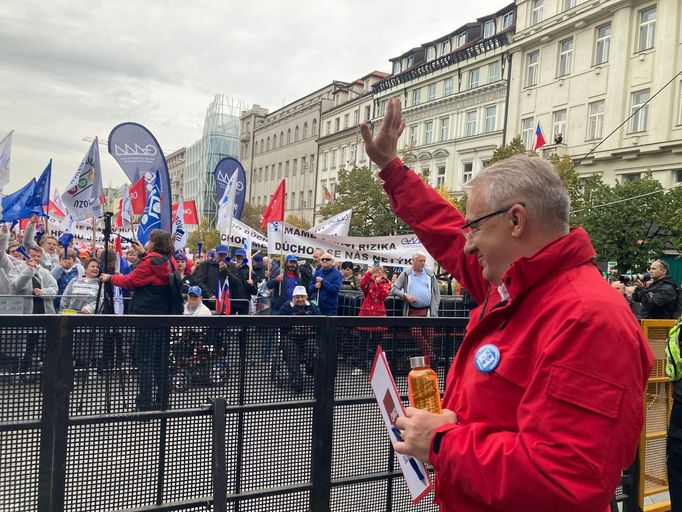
{"x": 419, "y": 361}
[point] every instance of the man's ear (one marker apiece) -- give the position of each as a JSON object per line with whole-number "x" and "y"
{"x": 519, "y": 219}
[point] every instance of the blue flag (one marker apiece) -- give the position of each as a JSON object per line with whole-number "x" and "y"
{"x": 222, "y": 174}
{"x": 18, "y": 206}
{"x": 151, "y": 218}
{"x": 41, "y": 192}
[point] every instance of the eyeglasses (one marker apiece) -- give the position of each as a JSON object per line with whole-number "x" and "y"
{"x": 470, "y": 229}
{"x": 326, "y": 259}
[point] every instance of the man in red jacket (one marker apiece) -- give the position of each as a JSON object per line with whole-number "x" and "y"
{"x": 544, "y": 400}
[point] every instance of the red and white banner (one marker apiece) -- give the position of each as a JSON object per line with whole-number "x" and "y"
{"x": 54, "y": 210}
{"x": 138, "y": 196}
{"x": 190, "y": 216}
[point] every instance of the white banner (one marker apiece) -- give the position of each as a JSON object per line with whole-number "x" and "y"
{"x": 82, "y": 231}
{"x": 335, "y": 225}
{"x": 82, "y": 195}
{"x": 238, "y": 236}
{"x": 394, "y": 250}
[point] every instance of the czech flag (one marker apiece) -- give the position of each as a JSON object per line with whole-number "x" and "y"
{"x": 222, "y": 297}
{"x": 539, "y": 138}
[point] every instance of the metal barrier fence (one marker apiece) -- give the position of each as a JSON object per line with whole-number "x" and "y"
{"x": 177, "y": 413}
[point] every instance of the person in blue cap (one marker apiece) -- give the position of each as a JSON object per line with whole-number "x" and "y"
{"x": 282, "y": 283}
{"x": 241, "y": 284}
{"x": 326, "y": 285}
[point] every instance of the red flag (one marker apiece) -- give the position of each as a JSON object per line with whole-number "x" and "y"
{"x": 119, "y": 220}
{"x": 275, "y": 209}
{"x": 138, "y": 196}
{"x": 539, "y": 138}
{"x": 55, "y": 210}
{"x": 222, "y": 298}
{"x": 190, "y": 212}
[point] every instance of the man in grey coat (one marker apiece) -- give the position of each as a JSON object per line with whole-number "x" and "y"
{"x": 417, "y": 286}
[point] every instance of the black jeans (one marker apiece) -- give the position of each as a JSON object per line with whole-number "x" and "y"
{"x": 674, "y": 457}
{"x": 150, "y": 368}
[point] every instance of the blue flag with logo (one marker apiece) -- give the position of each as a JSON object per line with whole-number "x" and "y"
{"x": 41, "y": 192}
{"x": 151, "y": 218}
{"x": 222, "y": 174}
{"x": 18, "y": 206}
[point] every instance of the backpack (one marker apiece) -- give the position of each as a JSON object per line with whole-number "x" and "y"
{"x": 673, "y": 359}
{"x": 177, "y": 303}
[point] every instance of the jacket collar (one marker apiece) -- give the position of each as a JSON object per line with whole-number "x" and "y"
{"x": 560, "y": 255}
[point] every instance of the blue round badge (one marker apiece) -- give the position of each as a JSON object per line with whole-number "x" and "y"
{"x": 487, "y": 358}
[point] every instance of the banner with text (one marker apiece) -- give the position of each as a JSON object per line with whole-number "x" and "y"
{"x": 393, "y": 251}
{"x": 238, "y": 236}
{"x": 82, "y": 231}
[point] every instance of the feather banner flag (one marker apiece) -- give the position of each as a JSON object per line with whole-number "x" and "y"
{"x": 151, "y": 218}
{"x": 226, "y": 205}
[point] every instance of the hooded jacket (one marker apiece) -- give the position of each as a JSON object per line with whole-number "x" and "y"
{"x": 554, "y": 423}
{"x": 149, "y": 282}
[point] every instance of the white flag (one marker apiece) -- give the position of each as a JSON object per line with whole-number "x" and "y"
{"x": 336, "y": 225}
{"x": 226, "y": 204}
{"x": 57, "y": 198}
{"x": 179, "y": 235}
{"x": 82, "y": 196}
{"x": 248, "y": 242}
{"x": 126, "y": 209}
{"x": 5, "y": 157}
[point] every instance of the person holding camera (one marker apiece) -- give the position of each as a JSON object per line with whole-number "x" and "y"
{"x": 657, "y": 295}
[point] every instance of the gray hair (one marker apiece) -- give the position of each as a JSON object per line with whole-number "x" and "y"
{"x": 418, "y": 254}
{"x": 528, "y": 180}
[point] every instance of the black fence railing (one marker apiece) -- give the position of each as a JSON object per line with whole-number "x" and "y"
{"x": 175, "y": 413}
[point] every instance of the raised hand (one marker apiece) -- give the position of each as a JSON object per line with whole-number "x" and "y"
{"x": 383, "y": 147}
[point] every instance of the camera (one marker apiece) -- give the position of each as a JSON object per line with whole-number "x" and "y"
{"x": 631, "y": 278}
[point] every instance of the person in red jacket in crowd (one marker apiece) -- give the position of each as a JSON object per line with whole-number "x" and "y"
{"x": 376, "y": 287}
{"x": 544, "y": 400}
{"x": 151, "y": 296}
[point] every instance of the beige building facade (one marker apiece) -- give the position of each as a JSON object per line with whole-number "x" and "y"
{"x": 581, "y": 68}
{"x": 340, "y": 144}
{"x": 453, "y": 91}
{"x": 283, "y": 145}
{"x": 176, "y": 171}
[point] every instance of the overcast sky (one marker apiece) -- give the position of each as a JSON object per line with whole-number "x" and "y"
{"x": 74, "y": 69}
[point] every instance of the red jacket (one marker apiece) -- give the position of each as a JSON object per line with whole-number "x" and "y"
{"x": 149, "y": 281}
{"x": 553, "y": 425}
{"x": 375, "y": 293}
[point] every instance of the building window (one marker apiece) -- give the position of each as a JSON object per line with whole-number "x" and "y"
{"x": 352, "y": 157}
{"x": 281, "y": 138}
{"x": 568, "y": 4}
{"x": 446, "y": 47}
{"x": 329, "y": 127}
{"x": 294, "y": 167}
{"x": 467, "y": 172}
{"x": 304, "y": 165}
{"x": 382, "y": 107}
{"x": 368, "y": 112}
{"x": 493, "y": 72}
{"x": 413, "y": 135}
{"x": 678, "y": 176}
{"x": 428, "y": 132}
{"x": 628, "y": 178}
{"x": 289, "y": 136}
{"x": 447, "y": 87}
{"x": 337, "y": 124}
{"x": 396, "y": 67}
{"x": 595, "y": 120}
{"x": 444, "y": 128}
{"x": 314, "y": 127}
{"x": 647, "y": 29}
{"x": 474, "y": 76}
{"x": 471, "y": 123}
{"x": 346, "y": 121}
{"x": 440, "y": 175}
{"x": 356, "y": 116}
{"x": 508, "y": 20}
{"x": 274, "y": 141}
{"x": 565, "y": 57}
{"x": 325, "y": 160}
{"x": 527, "y": 132}
{"x": 333, "y": 166}
{"x": 342, "y": 162}
{"x": 296, "y": 134}
{"x": 416, "y": 96}
{"x": 536, "y": 13}
{"x": 559, "y": 124}
{"x": 312, "y": 163}
{"x": 272, "y": 172}
{"x": 279, "y": 170}
{"x": 301, "y": 203}
{"x": 286, "y": 169}
{"x": 267, "y": 144}
{"x": 639, "y": 111}
{"x": 602, "y": 44}
{"x": 461, "y": 40}
{"x": 489, "y": 28}
{"x": 305, "y": 130}
{"x": 410, "y": 61}
{"x": 533, "y": 70}
{"x": 431, "y": 53}
{"x": 431, "y": 91}
{"x": 490, "y": 118}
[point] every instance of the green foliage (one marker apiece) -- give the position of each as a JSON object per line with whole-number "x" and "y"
{"x": 207, "y": 235}
{"x": 251, "y": 216}
{"x": 515, "y": 147}
{"x": 359, "y": 189}
{"x": 297, "y": 221}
